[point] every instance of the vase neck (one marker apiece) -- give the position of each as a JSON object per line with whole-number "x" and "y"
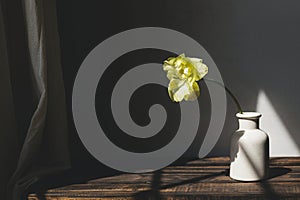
{"x": 248, "y": 120}
{"x": 248, "y": 124}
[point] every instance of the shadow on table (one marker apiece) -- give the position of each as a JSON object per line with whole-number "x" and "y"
{"x": 76, "y": 175}
{"x": 156, "y": 185}
{"x": 269, "y": 191}
{"x": 277, "y": 171}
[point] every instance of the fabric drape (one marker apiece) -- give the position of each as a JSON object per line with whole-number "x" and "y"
{"x": 33, "y": 140}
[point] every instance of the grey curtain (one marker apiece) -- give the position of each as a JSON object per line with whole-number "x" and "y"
{"x": 33, "y": 121}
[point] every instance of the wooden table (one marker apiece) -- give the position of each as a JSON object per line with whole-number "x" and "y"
{"x": 200, "y": 179}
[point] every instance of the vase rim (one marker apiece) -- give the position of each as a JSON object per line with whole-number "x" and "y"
{"x": 248, "y": 115}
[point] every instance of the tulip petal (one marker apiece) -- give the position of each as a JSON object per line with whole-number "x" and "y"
{"x": 183, "y": 72}
{"x": 201, "y": 68}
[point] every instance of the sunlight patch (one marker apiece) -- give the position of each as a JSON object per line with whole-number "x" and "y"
{"x": 281, "y": 141}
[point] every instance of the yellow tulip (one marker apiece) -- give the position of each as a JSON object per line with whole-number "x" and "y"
{"x": 183, "y": 72}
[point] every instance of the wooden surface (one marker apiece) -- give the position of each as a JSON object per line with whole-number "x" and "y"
{"x": 199, "y": 179}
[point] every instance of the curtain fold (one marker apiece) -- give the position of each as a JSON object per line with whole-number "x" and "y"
{"x": 8, "y": 126}
{"x": 44, "y": 149}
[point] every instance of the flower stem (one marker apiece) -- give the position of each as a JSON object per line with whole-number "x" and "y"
{"x": 229, "y": 92}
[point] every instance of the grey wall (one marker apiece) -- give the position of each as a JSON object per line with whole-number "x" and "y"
{"x": 255, "y": 44}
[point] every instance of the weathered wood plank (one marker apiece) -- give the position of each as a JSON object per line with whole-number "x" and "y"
{"x": 199, "y": 179}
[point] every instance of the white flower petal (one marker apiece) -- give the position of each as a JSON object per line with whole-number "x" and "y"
{"x": 181, "y": 93}
{"x": 202, "y": 69}
{"x": 194, "y": 60}
{"x": 167, "y": 67}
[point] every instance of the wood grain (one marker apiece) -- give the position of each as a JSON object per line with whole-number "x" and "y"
{"x": 199, "y": 179}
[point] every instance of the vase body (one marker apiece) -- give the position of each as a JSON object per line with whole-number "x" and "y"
{"x": 249, "y": 149}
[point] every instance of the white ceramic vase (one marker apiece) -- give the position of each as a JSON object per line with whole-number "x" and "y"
{"x": 249, "y": 149}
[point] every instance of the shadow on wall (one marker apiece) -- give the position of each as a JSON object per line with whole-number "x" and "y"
{"x": 255, "y": 45}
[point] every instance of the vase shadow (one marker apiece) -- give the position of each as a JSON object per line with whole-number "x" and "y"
{"x": 277, "y": 171}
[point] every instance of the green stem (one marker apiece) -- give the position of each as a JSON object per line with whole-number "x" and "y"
{"x": 229, "y": 92}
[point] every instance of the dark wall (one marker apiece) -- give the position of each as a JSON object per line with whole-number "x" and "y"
{"x": 255, "y": 44}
